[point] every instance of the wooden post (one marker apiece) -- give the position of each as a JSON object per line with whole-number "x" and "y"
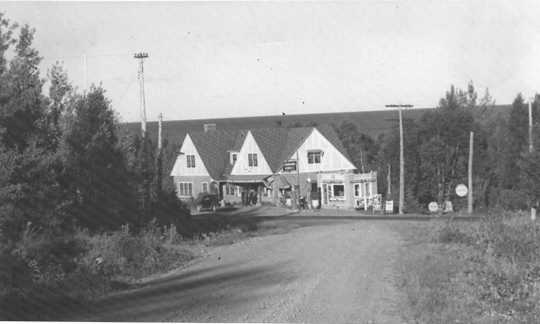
{"x": 401, "y": 165}
{"x": 533, "y": 208}
{"x": 389, "y": 183}
{"x": 470, "y": 197}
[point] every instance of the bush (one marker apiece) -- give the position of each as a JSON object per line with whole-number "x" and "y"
{"x": 123, "y": 255}
{"x": 512, "y": 199}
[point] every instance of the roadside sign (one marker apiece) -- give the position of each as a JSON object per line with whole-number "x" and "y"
{"x": 461, "y": 190}
{"x": 377, "y": 203}
{"x": 289, "y": 166}
{"x": 433, "y": 207}
{"x": 389, "y": 207}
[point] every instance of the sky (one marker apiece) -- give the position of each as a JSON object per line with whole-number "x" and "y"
{"x": 234, "y": 59}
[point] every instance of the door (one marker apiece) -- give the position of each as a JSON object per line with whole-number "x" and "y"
{"x": 325, "y": 194}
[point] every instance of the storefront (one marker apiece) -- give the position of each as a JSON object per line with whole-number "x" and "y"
{"x": 348, "y": 190}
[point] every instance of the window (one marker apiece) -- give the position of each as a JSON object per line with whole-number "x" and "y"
{"x": 234, "y": 157}
{"x": 252, "y": 159}
{"x": 190, "y": 161}
{"x": 314, "y": 157}
{"x": 205, "y": 187}
{"x": 185, "y": 189}
{"x": 357, "y": 190}
{"x": 338, "y": 191}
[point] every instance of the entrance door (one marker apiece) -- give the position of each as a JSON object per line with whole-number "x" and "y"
{"x": 325, "y": 194}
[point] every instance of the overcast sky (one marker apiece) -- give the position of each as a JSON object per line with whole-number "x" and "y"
{"x": 245, "y": 59}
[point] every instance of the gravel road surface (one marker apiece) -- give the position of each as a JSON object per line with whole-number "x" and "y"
{"x": 333, "y": 273}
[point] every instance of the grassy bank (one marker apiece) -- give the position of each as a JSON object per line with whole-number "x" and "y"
{"x": 111, "y": 261}
{"x": 472, "y": 272}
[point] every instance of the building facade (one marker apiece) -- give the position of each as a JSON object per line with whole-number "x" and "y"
{"x": 274, "y": 165}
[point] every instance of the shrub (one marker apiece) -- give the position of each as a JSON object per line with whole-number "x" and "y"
{"x": 512, "y": 199}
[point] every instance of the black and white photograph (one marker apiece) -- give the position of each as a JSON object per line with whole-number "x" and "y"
{"x": 370, "y": 162}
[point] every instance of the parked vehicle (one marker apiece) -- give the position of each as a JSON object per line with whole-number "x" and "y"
{"x": 207, "y": 202}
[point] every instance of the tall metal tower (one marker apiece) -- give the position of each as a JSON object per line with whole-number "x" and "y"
{"x": 141, "y": 56}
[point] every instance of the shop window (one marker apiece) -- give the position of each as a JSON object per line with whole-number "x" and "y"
{"x": 338, "y": 191}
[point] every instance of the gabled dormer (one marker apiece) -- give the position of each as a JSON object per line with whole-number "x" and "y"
{"x": 317, "y": 154}
{"x": 189, "y": 162}
{"x": 250, "y": 159}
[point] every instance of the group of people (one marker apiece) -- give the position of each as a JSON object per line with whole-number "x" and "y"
{"x": 249, "y": 198}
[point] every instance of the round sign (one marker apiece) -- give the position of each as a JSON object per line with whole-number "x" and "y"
{"x": 433, "y": 207}
{"x": 461, "y": 190}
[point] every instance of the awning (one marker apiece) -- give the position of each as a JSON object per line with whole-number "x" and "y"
{"x": 281, "y": 182}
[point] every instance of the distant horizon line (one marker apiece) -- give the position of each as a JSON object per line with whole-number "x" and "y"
{"x": 295, "y": 114}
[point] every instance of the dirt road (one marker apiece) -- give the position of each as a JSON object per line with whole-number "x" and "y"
{"x": 336, "y": 273}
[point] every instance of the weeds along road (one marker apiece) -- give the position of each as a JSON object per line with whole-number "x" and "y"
{"x": 333, "y": 273}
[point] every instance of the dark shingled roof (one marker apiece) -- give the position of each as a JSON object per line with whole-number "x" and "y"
{"x": 276, "y": 144}
{"x": 212, "y": 147}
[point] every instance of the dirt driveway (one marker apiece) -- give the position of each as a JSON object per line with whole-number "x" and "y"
{"x": 335, "y": 273}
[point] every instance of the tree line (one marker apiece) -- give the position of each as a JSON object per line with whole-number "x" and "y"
{"x": 436, "y": 149}
{"x": 64, "y": 163}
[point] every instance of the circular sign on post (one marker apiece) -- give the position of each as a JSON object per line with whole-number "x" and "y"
{"x": 461, "y": 190}
{"x": 433, "y": 207}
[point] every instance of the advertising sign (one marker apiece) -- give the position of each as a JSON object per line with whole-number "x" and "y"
{"x": 389, "y": 207}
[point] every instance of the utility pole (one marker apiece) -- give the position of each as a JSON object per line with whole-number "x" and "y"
{"x": 145, "y": 161}
{"x": 401, "y": 157}
{"x": 530, "y": 127}
{"x": 470, "y": 197}
{"x": 389, "y": 182}
{"x": 141, "y": 56}
{"x": 533, "y": 208}
{"x": 160, "y": 154}
{"x": 160, "y": 139}
{"x": 297, "y": 191}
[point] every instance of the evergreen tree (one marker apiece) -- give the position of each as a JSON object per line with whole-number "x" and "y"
{"x": 361, "y": 147}
{"x": 97, "y": 172}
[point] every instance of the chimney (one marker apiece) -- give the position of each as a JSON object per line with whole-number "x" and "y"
{"x": 209, "y": 127}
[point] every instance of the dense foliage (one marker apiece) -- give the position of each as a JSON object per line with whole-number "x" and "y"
{"x": 436, "y": 151}
{"x": 64, "y": 167}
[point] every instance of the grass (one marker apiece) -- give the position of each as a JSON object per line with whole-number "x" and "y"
{"x": 471, "y": 272}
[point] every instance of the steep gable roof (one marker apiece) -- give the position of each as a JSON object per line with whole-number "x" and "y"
{"x": 331, "y": 135}
{"x": 212, "y": 147}
{"x": 276, "y": 144}
{"x": 271, "y": 141}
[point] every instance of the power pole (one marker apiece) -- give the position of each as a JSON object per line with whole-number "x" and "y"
{"x": 530, "y": 128}
{"x": 470, "y": 197}
{"x": 160, "y": 154}
{"x": 533, "y": 208}
{"x": 145, "y": 161}
{"x": 141, "y": 56}
{"x": 160, "y": 139}
{"x": 401, "y": 157}
{"x": 389, "y": 182}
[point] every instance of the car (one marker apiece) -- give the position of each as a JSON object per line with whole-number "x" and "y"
{"x": 207, "y": 202}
